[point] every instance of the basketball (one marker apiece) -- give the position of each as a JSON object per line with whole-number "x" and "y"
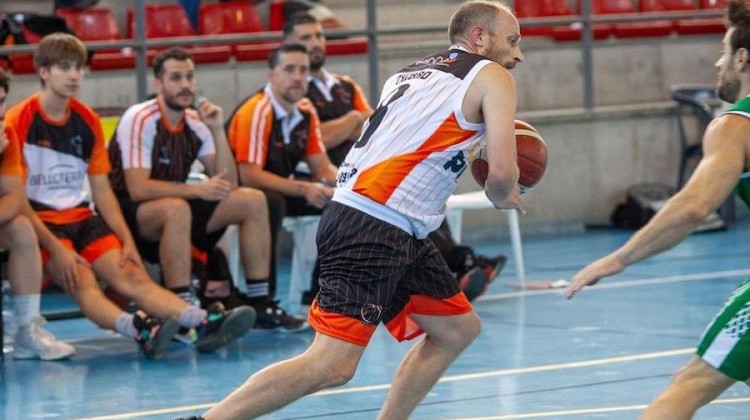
{"x": 532, "y": 158}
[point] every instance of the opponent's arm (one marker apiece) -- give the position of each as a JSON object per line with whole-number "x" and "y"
{"x": 713, "y": 180}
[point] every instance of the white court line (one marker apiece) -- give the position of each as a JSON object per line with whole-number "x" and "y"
{"x": 624, "y": 283}
{"x": 590, "y": 411}
{"x": 452, "y": 378}
{"x": 594, "y": 362}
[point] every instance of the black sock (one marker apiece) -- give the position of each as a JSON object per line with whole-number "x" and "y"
{"x": 256, "y": 290}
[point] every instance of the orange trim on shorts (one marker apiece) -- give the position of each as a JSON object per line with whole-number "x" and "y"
{"x": 100, "y": 247}
{"x": 198, "y": 254}
{"x": 403, "y": 327}
{"x": 340, "y": 326}
{"x": 67, "y": 243}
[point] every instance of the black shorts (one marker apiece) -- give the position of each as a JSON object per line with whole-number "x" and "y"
{"x": 201, "y": 211}
{"x": 373, "y": 272}
{"x": 90, "y": 237}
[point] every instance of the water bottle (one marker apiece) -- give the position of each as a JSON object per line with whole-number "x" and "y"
{"x": 9, "y": 322}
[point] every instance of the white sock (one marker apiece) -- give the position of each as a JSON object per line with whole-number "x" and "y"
{"x": 26, "y": 308}
{"x": 124, "y": 325}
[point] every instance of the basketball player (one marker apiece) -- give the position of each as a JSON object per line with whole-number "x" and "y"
{"x": 62, "y": 144}
{"x": 17, "y": 236}
{"x": 723, "y": 355}
{"x": 376, "y": 264}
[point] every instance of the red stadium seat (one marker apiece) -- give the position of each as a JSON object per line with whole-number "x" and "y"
{"x": 629, "y": 29}
{"x": 554, "y": 8}
{"x": 170, "y": 20}
{"x": 99, "y": 24}
{"x": 277, "y": 20}
{"x": 229, "y": 18}
{"x": 703, "y": 26}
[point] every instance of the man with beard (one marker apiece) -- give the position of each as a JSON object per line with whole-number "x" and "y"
{"x": 343, "y": 109}
{"x": 270, "y": 133}
{"x": 723, "y": 354}
{"x": 154, "y": 146}
{"x": 377, "y": 265}
{"x": 63, "y": 151}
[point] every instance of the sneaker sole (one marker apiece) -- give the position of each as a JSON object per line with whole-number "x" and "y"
{"x": 167, "y": 331}
{"x": 236, "y": 325}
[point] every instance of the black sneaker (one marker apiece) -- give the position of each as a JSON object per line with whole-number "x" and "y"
{"x": 222, "y": 326}
{"x": 491, "y": 265}
{"x": 272, "y": 317}
{"x": 154, "y": 335}
{"x": 473, "y": 283}
{"x": 190, "y": 418}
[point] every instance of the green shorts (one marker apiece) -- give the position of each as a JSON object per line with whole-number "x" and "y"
{"x": 725, "y": 344}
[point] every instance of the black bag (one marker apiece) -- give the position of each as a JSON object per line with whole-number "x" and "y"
{"x": 643, "y": 201}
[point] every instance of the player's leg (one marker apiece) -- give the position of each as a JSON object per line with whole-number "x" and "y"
{"x": 247, "y": 208}
{"x": 443, "y": 313}
{"x": 327, "y": 363}
{"x": 722, "y": 359}
{"x": 426, "y": 361}
{"x": 25, "y": 275}
{"x": 167, "y": 221}
{"x": 215, "y": 326}
{"x": 693, "y": 386}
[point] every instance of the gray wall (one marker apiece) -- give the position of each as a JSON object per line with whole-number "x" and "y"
{"x": 630, "y": 138}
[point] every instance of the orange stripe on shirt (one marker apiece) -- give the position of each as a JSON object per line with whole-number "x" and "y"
{"x": 380, "y": 181}
{"x": 136, "y": 134}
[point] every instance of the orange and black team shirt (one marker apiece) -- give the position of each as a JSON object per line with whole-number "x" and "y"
{"x": 333, "y": 97}
{"x": 58, "y": 156}
{"x": 145, "y": 139}
{"x": 261, "y": 132}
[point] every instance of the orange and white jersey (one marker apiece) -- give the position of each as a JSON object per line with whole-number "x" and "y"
{"x": 57, "y": 157}
{"x": 414, "y": 147}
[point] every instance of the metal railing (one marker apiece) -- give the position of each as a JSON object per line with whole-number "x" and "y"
{"x": 372, "y": 31}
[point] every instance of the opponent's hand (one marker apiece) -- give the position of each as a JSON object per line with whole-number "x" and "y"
{"x": 592, "y": 273}
{"x": 216, "y": 188}
{"x": 318, "y": 194}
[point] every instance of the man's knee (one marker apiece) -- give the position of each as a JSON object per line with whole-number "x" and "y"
{"x": 20, "y": 232}
{"x": 460, "y": 332}
{"x": 253, "y": 201}
{"x": 165, "y": 210}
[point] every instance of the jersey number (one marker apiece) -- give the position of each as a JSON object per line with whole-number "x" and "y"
{"x": 377, "y": 117}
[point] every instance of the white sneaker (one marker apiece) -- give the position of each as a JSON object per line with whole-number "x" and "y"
{"x": 32, "y": 342}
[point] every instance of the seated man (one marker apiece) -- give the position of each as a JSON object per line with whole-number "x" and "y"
{"x": 274, "y": 130}
{"x": 62, "y": 143}
{"x": 24, "y": 262}
{"x": 155, "y": 144}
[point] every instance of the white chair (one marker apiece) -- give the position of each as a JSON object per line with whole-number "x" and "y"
{"x": 304, "y": 254}
{"x": 477, "y": 200}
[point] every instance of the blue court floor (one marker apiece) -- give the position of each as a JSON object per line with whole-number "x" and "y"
{"x": 603, "y": 355}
